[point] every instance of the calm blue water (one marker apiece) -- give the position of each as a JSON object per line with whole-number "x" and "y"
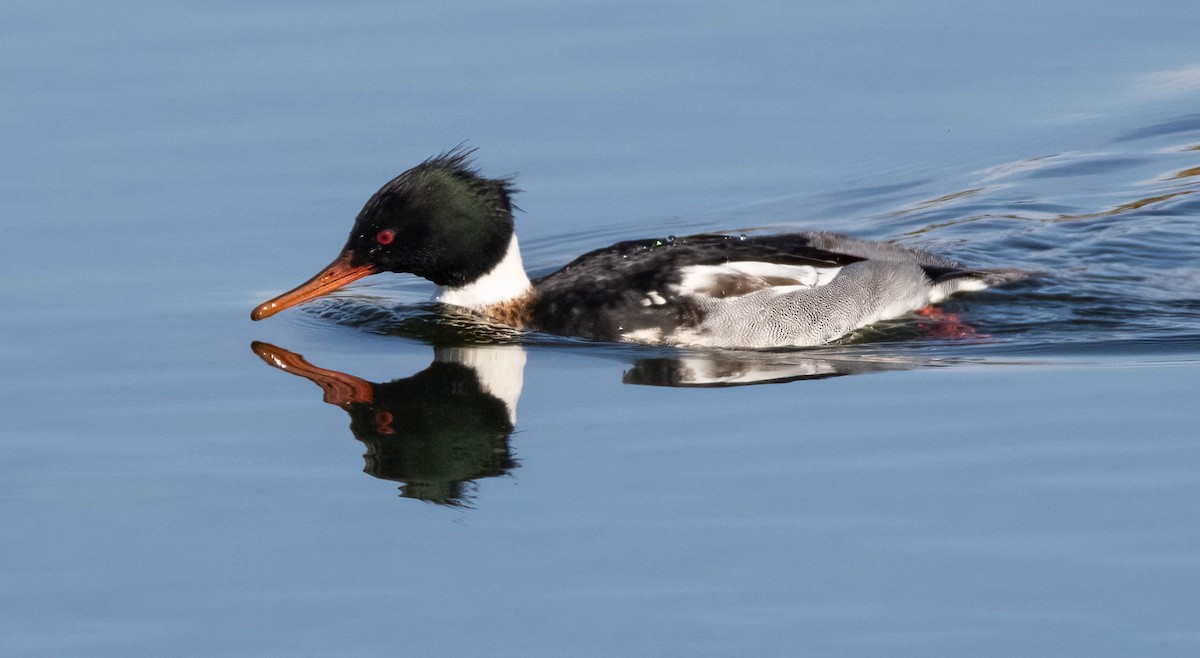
{"x": 1022, "y": 481}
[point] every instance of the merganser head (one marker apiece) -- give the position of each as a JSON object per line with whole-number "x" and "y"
{"x": 440, "y": 220}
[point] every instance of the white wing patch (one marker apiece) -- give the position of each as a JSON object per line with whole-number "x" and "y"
{"x": 649, "y": 336}
{"x": 652, "y": 298}
{"x": 744, "y": 277}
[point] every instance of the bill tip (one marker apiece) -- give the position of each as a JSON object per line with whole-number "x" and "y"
{"x": 263, "y": 311}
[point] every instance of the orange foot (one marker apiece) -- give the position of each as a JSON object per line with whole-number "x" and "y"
{"x": 945, "y": 325}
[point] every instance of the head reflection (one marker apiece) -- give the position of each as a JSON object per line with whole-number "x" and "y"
{"x": 435, "y": 432}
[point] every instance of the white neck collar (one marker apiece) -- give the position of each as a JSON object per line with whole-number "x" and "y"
{"x": 505, "y": 282}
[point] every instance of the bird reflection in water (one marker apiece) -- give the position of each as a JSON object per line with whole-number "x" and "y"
{"x": 435, "y": 432}
{"x": 731, "y": 368}
{"x": 440, "y": 430}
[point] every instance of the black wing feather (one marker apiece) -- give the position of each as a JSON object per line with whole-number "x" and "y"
{"x": 602, "y": 294}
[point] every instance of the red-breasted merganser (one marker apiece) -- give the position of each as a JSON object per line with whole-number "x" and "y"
{"x": 444, "y": 221}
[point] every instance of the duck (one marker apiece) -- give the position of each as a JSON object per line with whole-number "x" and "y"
{"x": 446, "y": 222}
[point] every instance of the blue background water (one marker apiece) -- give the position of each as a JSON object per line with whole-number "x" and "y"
{"x": 1028, "y": 489}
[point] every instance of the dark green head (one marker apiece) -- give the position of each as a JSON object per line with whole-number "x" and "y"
{"x": 440, "y": 220}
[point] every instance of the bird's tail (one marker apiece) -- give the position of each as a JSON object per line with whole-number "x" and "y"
{"x": 950, "y": 281}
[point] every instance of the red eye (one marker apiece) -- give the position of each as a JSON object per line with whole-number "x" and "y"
{"x": 385, "y": 236}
